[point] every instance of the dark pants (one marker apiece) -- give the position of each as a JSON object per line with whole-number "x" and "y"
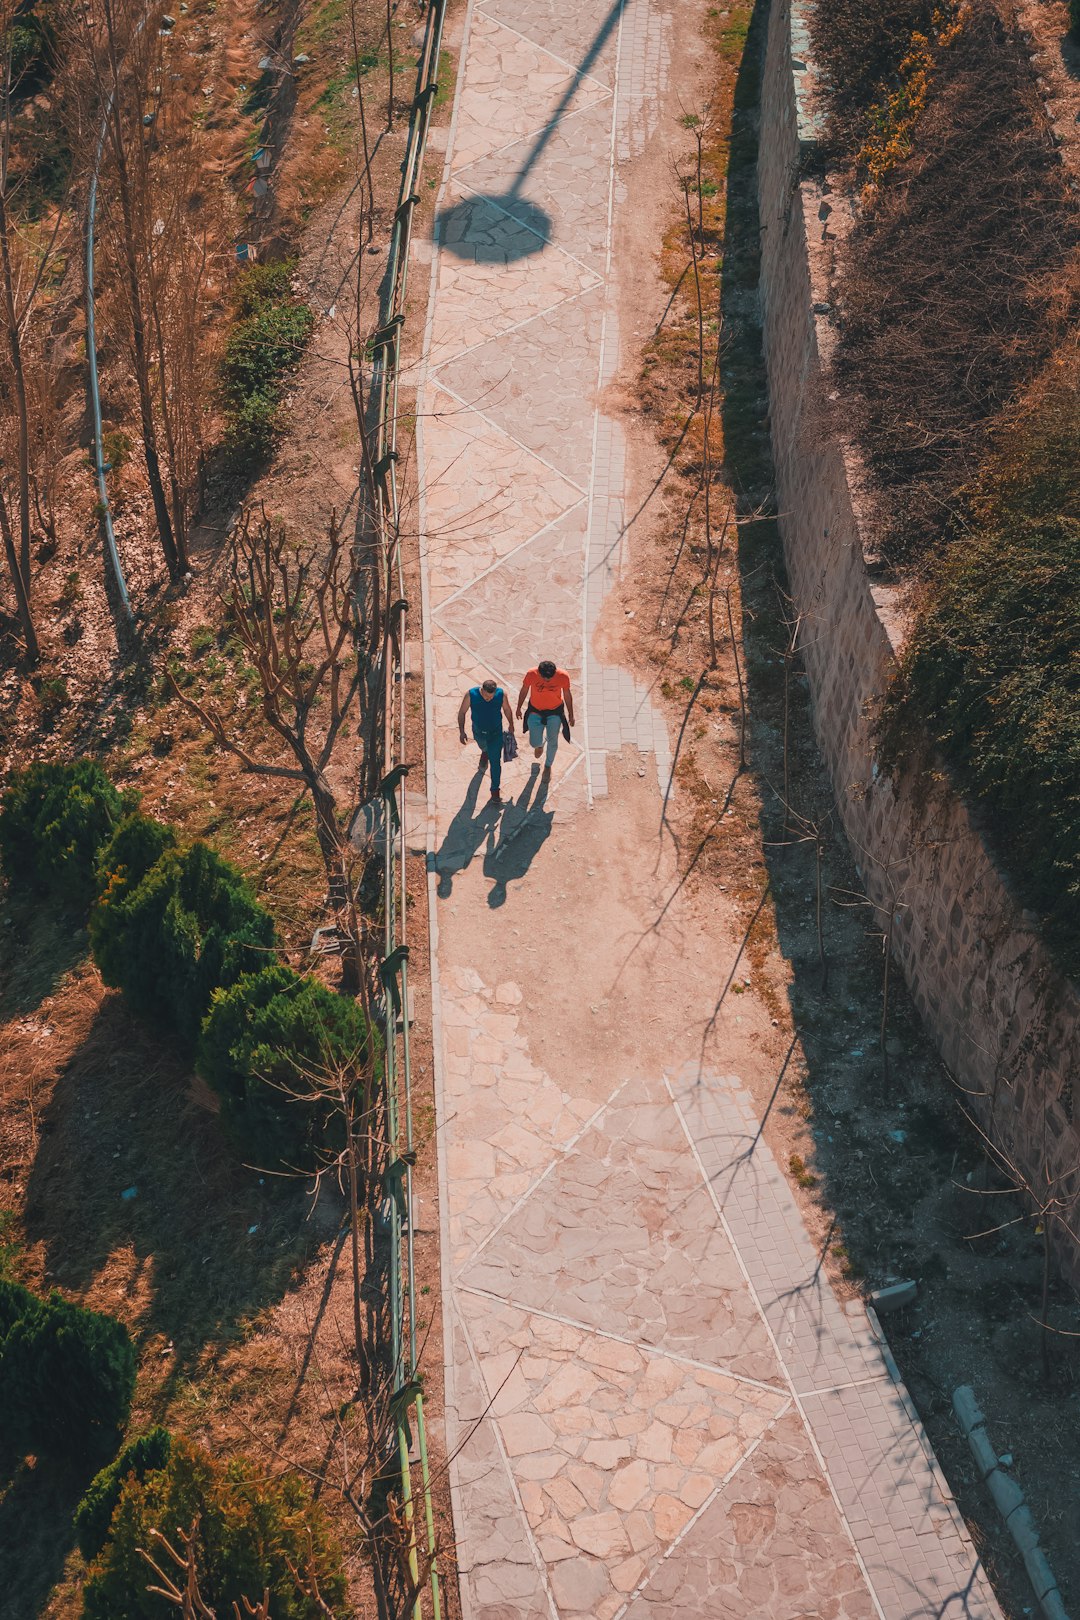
{"x": 493, "y": 748}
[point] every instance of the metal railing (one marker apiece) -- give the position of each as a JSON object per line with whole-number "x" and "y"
{"x": 407, "y": 1401}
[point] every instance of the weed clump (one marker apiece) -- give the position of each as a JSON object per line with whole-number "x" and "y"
{"x": 264, "y": 347}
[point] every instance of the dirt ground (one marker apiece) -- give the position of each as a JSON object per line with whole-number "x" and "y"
{"x": 114, "y": 1183}
{"x": 892, "y": 1180}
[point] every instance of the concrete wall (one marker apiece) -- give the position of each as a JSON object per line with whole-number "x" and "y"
{"x": 1006, "y": 1022}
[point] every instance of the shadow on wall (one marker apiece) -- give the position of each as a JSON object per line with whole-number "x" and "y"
{"x": 505, "y": 227}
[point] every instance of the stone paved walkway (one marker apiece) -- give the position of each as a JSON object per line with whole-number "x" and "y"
{"x": 657, "y": 1408}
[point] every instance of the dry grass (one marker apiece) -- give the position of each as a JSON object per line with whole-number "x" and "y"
{"x": 955, "y": 285}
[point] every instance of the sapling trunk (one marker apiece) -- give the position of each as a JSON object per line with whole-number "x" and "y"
{"x": 11, "y": 321}
{"x": 787, "y": 716}
{"x": 139, "y": 345}
{"x": 363, "y": 1364}
{"x": 22, "y": 596}
{"x": 390, "y": 55}
{"x": 697, "y": 293}
{"x": 883, "y": 1035}
{"x": 367, "y": 210}
{"x": 738, "y": 677}
{"x": 819, "y": 911}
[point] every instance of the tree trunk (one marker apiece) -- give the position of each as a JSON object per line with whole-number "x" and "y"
{"x": 354, "y": 1233}
{"x": 15, "y": 347}
{"x": 179, "y": 515}
{"x": 1044, "y": 1342}
{"x": 138, "y": 325}
{"x": 329, "y": 835}
{"x": 883, "y": 1036}
{"x": 22, "y": 597}
{"x": 822, "y": 957}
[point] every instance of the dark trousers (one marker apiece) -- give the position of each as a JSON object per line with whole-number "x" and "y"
{"x": 493, "y": 748}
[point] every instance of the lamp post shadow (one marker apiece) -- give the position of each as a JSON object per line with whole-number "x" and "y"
{"x": 504, "y": 227}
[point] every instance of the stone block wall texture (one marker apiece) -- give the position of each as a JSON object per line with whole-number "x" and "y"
{"x": 1006, "y": 1022}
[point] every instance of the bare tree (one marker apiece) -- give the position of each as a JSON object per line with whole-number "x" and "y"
{"x": 367, "y": 191}
{"x": 17, "y": 295}
{"x": 180, "y": 1589}
{"x": 160, "y": 224}
{"x": 294, "y": 611}
{"x": 342, "y": 1088}
{"x": 12, "y": 316}
{"x": 180, "y": 256}
{"x": 1052, "y": 1205}
{"x": 390, "y": 56}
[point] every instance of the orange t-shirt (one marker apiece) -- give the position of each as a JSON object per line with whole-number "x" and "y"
{"x": 548, "y": 694}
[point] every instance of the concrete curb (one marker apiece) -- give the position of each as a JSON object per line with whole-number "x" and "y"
{"x": 1010, "y": 1502}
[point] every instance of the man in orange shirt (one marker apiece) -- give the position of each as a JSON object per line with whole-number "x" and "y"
{"x": 550, "y": 708}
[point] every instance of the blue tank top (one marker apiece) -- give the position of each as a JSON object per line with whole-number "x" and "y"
{"x": 486, "y": 714}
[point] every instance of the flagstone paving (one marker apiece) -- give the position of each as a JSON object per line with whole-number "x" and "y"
{"x": 656, "y": 1407}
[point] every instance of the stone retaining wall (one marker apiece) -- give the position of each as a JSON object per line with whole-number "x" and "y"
{"x": 1006, "y": 1022}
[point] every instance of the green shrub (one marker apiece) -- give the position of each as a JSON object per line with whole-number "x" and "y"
{"x": 266, "y": 343}
{"x": 1034, "y": 467}
{"x": 259, "y": 1040}
{"x": 991, "y": 673}
{"x": 252, "y": 421}
{"x": 15, "y": 1302}
{"x": 190, "y": 926}
{"x": 250, "y": 1529}
{"x": 67, "y": 1375}
{"x": 116, "y": 446}
{"x": 54, "y": 819}
{"x": 263, "y": 283}
{"x": 32, "y": 43}
{"x": 145, "y": 1454}
{"x": 136, "y": 845}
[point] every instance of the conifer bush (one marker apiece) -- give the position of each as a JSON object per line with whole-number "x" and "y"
{"x": 67, "y": 1375}
{"x": 262, "y": 1040}
{"x": 250, "y": 1529}
{"x": 145, "y": 1454}
{"x": 136, "y": 845}
{"x": 54, "y": 819}
{"x": 188, "y": 927}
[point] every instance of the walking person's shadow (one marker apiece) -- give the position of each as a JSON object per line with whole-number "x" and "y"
{"x": 522, "y": 829}
{"x": 464, "y": 836}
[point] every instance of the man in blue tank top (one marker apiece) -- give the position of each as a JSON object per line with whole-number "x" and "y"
{"x": 488, "y": 705}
